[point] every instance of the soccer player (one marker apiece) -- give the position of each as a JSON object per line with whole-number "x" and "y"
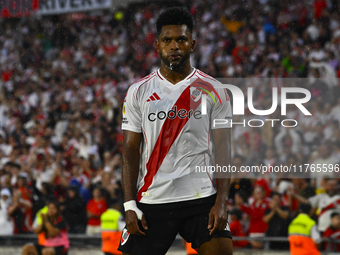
{"x": 163, "y": 195}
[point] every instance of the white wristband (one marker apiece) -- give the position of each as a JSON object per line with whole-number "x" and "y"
{"x": 131, "y": 205}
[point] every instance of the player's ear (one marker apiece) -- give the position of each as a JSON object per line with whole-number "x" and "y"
{"x": 193, "y": 43}
{"x": 157, "y": 44}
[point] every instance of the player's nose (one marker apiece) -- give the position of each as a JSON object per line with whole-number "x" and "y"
{"x": 174, "y": 45}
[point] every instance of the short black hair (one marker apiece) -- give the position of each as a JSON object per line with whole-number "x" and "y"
{"x": 305, "y": 208}
{"x": 274, "y": 193}
{"x": 334, "y": 214}
{"x": 175, "y": 16}
{"x": 237, "y": 212}
{"x": 243, "y": 195}
{"x": 55, "y": 202}
{"x": 112, "y": 202}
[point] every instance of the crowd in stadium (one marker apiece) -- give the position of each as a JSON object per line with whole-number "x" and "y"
{"x": 64, "y": 78}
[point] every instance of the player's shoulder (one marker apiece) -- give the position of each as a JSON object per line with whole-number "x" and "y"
{"x": 204, "y": 76}
{"x": 212, "y": 83}
{"x": 136, "y": 85}
{"x": 134, "y": 89}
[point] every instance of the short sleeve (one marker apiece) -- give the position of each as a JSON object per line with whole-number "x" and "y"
{"x": 221, "y": 113}
{"x": 37, "y": 221}
{"x": 121, "y": 223}
{"x": 132, "y": 115}
{"x": 315, "y": 235}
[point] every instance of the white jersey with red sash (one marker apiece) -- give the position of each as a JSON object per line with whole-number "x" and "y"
{"x": 176, "y": 136}
{"x": 327, "y": 205}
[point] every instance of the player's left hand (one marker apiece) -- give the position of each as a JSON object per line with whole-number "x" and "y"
{"x": 218, "y": 218}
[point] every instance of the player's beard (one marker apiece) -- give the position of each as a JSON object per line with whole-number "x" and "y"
{"x": 177, "y": 66}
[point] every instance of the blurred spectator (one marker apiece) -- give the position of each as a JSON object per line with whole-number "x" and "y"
{"x": 109, "y": 184}
{"x": 319, "y": 88}
{"x": 88, "y": 170}
{"x": 304, "y": 238}
{"x": 6, "y": 224}
{"x": 239, "y": 184}
{"x": 256, "y": 212}
{"x": 324, "y": 157}
{"x": 285, "y": 189}
{"x": 263, "y": 183}
{"x": 23, "y": 187}
{"x": 60, "y": 190}
{"x": 54, "y": 228}
{"x": 112, "y": 223}
{"x": 333, "y": 233}
{"x": 95, "y": 208}
{"x": 83, "y": 192}
{"x": 326, "y": 203}
{"x": 14, "y": 169}
{"x": 236, "y": 227}
{"x": 42, "y": 172}
{"x": 277, "y": 218}
{"x": 74, "y": 211}
{"x": 304, "y": 188}
{"x": 79, "y": 175}
{"x": 38, "y": 221}
{"x": 319, "y": 6}
{"x": 325, "y": 72}
{"x": 294, "y": 137}
{"x": 43, "y": 197}
{"x": 21, "y": 213}
{"x": 6, "y": 181}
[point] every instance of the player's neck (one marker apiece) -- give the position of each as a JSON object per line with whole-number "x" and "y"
{"x": 175, "y": 76}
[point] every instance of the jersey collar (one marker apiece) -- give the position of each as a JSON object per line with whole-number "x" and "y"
{"x": 185, "y": 79}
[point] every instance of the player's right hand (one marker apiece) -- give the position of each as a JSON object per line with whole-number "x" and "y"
{"x": 132, "y": 223}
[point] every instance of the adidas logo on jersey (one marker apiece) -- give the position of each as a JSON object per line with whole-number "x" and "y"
{"x": 153, "y": 97}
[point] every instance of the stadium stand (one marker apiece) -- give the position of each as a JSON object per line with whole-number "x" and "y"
{"x": 64, "y": 77}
